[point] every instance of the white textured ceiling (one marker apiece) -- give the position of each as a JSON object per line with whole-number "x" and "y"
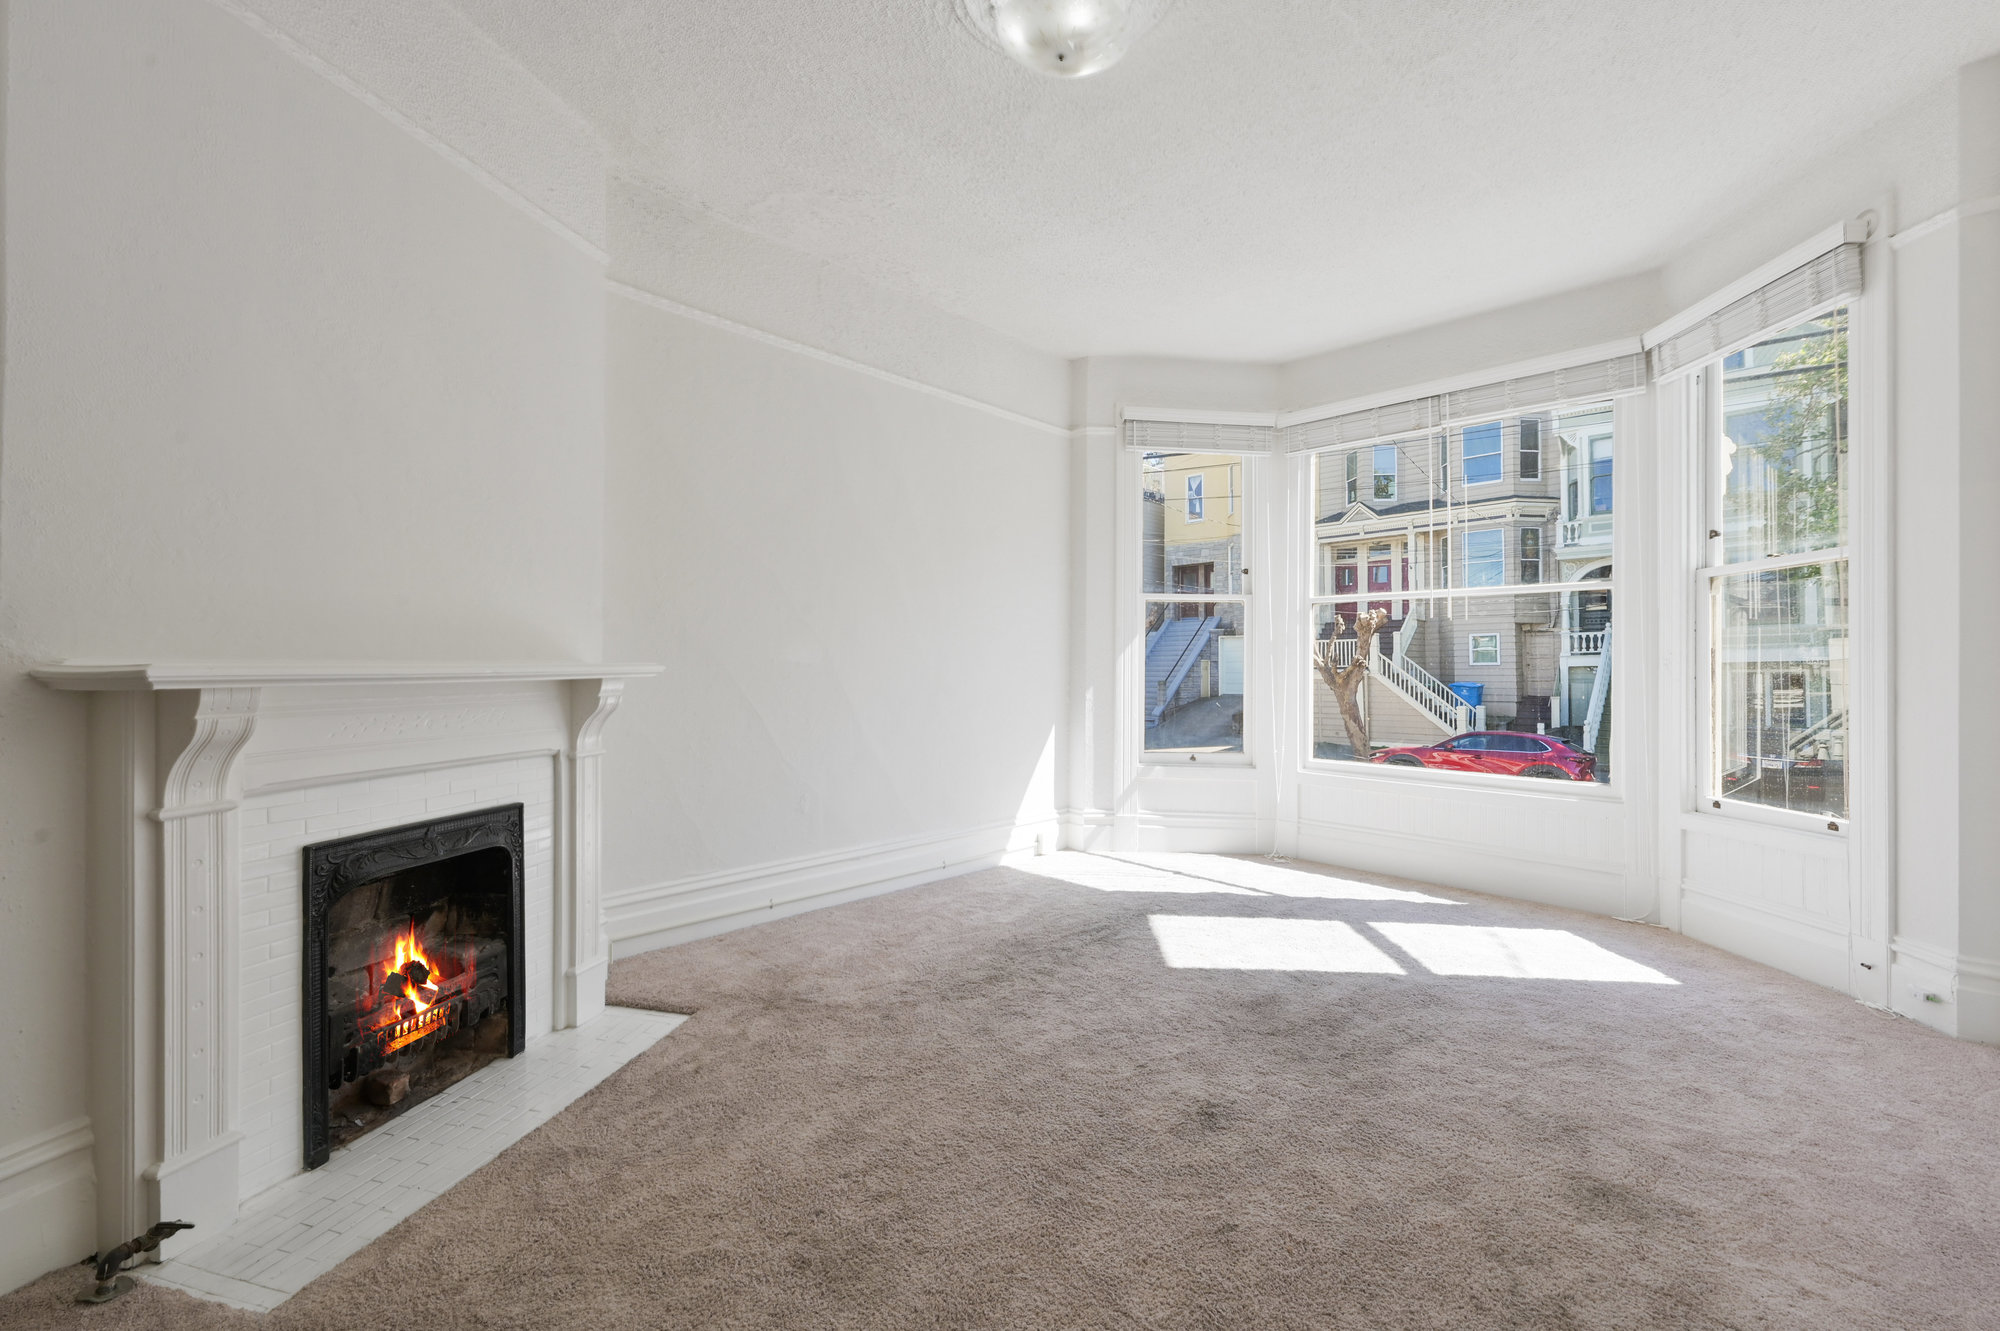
{"x": 1260, "y": 178}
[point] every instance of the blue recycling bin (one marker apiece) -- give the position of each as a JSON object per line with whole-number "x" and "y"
{"x": 1472, "y": 695}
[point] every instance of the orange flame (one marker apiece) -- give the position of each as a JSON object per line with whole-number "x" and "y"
{"x": 407, "y": 951}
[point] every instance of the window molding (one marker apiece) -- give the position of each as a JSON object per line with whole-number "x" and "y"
{"x": 1774, "y": 297}
{"x": 1855, "y": 232}
{"x": 1132, "y": 758}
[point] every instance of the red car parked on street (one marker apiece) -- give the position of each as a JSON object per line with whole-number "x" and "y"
{"x": 1506, "y": 751}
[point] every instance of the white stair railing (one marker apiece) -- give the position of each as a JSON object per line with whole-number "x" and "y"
{"x": 1600, "y": 691}
{"x": 1416, "y": 685}
{"x": 1421, "y": 689}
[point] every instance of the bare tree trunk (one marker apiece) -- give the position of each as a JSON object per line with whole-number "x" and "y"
{"x": 1346, "y": 681}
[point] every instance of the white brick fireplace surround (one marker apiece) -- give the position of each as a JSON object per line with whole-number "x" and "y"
{"x": 206, "y": 781}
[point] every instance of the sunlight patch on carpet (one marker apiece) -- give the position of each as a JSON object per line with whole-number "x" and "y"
{"x": 1520, "y": 954}
{"x": 1199, "y": 942}
{"x": 1193, "y": 874}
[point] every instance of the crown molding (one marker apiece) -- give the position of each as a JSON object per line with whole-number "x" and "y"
{"x": 142, "y": 676}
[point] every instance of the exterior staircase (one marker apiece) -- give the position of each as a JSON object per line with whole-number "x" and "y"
{"x": 1171, "y": 651}
{"x": 1596, "y": 717}
{"x": 1413, "y": 684}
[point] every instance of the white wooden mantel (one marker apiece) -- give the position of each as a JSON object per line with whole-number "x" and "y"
{"x": 170, "y": 744}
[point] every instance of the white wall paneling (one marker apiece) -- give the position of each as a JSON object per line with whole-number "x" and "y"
{"x": 48, "y": 1201}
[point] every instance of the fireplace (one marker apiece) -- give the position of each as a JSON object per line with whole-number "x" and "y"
{"x": 413, "y": 971}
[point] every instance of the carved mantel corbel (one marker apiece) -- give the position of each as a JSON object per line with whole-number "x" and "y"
{"x": 586, "y": 953}
{"x": 195, "y": 1177}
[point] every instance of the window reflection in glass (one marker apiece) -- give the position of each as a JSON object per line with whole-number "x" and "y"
{"x": 1485, "y": 558}
{"x": 1784, "y": 446}
{"x": 1781, "y": 688}
{"x": 1385, "y": 471}
{"x": 1482, "y": 453}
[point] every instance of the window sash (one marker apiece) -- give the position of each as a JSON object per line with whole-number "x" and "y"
{"x": 1709, "y": 581}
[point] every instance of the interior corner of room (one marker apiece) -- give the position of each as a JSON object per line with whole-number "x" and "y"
{"x": 426, "y": 433}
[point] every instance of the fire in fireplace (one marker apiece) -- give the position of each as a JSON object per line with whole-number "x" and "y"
{"x": 413, "y": 967}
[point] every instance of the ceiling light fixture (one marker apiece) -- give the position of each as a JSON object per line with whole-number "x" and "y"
{"x": 1066, "y": 38}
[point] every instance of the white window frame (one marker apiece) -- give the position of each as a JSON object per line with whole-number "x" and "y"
{"x": 1703, "y": 396}
{"x": 1499, "y": 454}
{"x": 1129, "y": 477}
{"x": 1631, "y": 416}
{"x": 1472, "y": 649}
{"x": 1196, "y": 499}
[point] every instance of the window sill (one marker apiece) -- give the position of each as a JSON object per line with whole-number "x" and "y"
{"x": 1182, "y": 762}
{"x": 1534, "y": 787}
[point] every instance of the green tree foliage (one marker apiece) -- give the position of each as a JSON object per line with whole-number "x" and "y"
{"x": 1787, "y": 485}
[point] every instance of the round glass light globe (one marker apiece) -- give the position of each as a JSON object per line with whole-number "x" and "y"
{"x": 1067, "y": 38}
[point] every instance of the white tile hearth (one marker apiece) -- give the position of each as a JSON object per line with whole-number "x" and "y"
{"x": 299, "y": 1230}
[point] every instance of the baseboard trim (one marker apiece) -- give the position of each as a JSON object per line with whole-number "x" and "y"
{"x": 642, "y": 919}
{"x": 1777, "y": 938}
{"x": 47, "y": 1202}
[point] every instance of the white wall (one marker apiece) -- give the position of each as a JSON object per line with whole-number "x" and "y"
{"x": 859, "y": 592}
{"x": 282, "y": 381}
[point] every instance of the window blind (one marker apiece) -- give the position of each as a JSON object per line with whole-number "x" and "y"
{"x": 1594, "y": 381}
{"x": 1194, "y": 437}
{"x": 1833, "y": 276}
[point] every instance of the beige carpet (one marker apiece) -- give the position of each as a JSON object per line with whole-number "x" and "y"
{"x": 991, "y": 1103}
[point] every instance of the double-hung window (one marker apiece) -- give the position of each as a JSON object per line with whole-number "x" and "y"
{"x": 1482, "y": 453}
{"x": 1531, "y": 449}
{"x": 1775, "y": 430}
{"x": 1482, "y": 608}
{"x": 1385, "y": 472}
{"x": 1486, "y": 557}
{"x": 1193, "y": 589}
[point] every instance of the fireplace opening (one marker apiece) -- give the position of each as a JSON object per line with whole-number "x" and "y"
{"x": 413, "y": 967}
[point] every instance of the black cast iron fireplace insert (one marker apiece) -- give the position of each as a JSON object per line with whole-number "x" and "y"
{"x": 413, "y": 967}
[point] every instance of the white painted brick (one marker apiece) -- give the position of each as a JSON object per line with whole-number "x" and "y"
{"x": 269, "y": 1042}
